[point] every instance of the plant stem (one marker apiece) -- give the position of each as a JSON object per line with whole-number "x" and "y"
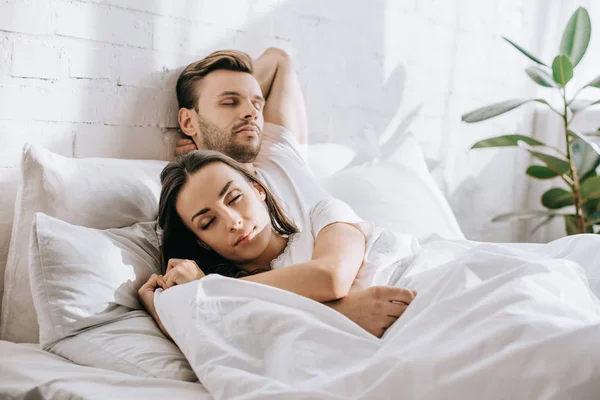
{"x": 577, "y": 200}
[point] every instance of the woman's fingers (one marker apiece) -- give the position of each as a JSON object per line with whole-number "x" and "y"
{"x": 173, "y": 262}
{"x": 171, "y": 278}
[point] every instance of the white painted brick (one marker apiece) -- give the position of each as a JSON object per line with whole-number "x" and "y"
{"x": 286, "y": 25}
{"x": 476, "y": 16}
{"x": 230, "y": 14}
{"x": 145, "y": 68}
{"x": 48, "y": 103}
{"x": 171, "y": 35}
{"x": 206, "y": 38}
{"x": 5, "y": 55}
{"x": 14, "y": 136}
{"x": 174, "y": 8}
{"x": 32, "y": 17}
{"x": 37, "y": 59}
{"x": 97, "y": 140}
{"x": 91, "y": 60}
{"x": 126, "y": 105}
{"x": 103, "y": 23}
{"x": 176, "y": 36}
{"x": 442, "y": 12}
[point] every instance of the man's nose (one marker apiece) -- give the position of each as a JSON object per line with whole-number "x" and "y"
{"x": 250, "y": 112}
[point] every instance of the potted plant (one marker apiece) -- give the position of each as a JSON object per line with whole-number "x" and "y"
{"x": 576, "y": 164}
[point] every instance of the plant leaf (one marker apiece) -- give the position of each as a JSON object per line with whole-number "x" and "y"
{"x": 528, "y": 54}
{"x": 556, "y": 164}
{"x": 590, "y": 188}
{"x": 544, "y": 222}
{"x": 495, "y": 109}
{"x": 571, "y": 224}
{"x": 581, "y": 136}
{"x": 594, "y": 83}
{"x": 557, "y": 198}
{"x": 586, "y": 159}
{"x": 562, "y": 70}
{"x": 576, "y": 36}
{"x": 522, "y": 215}
{"x": 580, "y": 105}
{"x": 594, "y": 218}
{"x": 540, "y": 172}
{"x": 505, "y": 141}
{"x": 541, "y": 77}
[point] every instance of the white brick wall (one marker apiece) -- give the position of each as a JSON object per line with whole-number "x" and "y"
{"x": 96, "y": 78}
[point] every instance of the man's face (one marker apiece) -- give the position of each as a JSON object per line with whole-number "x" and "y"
{"x": 230, "y": 114}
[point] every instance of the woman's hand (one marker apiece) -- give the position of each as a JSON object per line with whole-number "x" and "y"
{"x": 182, "y": 271}
{"x": 146, "y": 295}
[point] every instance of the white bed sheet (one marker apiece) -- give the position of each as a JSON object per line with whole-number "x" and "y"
{"x": 26, "y": 372}
{"x": 491, "y": 321}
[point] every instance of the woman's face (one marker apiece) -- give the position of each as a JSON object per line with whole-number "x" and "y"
{"x": 226, "y": 212}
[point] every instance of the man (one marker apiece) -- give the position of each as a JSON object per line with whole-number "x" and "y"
{"x": 255, "y": 113}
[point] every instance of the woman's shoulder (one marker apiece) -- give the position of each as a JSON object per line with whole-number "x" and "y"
{"x": 329, "y": 211}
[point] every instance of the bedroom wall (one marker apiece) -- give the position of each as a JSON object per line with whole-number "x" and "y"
{"x": 95, "y": 78}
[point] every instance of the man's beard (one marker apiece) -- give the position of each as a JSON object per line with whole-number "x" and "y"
{"x": 215, "y": 138}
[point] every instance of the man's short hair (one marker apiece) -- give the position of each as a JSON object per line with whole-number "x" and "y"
{"x": 230, "y": 60}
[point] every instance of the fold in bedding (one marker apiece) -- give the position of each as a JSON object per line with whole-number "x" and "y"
{"x": 26, "y": 372}
{"x": 490, "y": 321}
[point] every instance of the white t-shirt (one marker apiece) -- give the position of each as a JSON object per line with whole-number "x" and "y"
{"x": 281, "y": 164}
{"x": 384, "y": 250}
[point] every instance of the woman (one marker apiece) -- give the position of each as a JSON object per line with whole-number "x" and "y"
{"x": 216, "y": 215}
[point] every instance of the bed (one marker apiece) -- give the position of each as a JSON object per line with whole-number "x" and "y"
{"x": 59, "y": 342}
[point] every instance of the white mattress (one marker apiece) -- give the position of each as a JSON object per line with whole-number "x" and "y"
{"x": 28, "y": 372}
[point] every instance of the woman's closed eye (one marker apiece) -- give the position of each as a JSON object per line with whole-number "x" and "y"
{"x": 207, "y": 225}
{"x": 231, "y": 202}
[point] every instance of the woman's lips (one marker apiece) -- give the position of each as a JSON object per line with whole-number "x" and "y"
{"x": 246, "y": 238}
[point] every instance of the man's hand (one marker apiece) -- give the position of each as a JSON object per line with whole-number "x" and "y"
{"x": 182, "y": 271}
{"x": 146, "y": 295}
{"x": 375, "y": 309}
{"x": 185, "y": 146}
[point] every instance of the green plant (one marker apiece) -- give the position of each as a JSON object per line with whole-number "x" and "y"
{"x": 577, "y": 165}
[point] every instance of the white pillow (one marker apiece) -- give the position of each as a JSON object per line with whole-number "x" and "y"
{"x": 398, "y": 193}
{"x": 98, "y": 193}
{"x": 84, "y": 283}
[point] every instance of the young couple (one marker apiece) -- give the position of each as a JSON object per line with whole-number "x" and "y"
{"x": 246, "y": 205}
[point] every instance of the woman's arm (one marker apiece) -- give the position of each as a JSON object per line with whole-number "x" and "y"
{"x": 338, "y": 254}
{"x": 146, "y": 295}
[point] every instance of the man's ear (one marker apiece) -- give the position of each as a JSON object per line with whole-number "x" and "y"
{"x": 260, "y": 190}
{"x": 185, "y": 119}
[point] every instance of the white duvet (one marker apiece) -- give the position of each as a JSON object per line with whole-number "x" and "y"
{"x": 491, "y": 321}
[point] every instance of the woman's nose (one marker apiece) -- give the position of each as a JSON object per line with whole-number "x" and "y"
{"x": 235, "y": 222}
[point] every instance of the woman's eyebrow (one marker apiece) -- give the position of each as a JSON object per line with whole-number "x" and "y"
{"x": 206, "y": 209}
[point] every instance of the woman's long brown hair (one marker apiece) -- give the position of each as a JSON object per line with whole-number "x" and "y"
{"x": 178, "y": 240}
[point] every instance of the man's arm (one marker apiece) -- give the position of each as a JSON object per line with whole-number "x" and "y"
{"x": 285, "y": 103}
{"x": 338, "y": 254}
{"x": 374, "y": 309}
